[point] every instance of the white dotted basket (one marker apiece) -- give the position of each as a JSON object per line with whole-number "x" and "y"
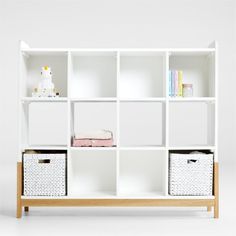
{"x": 44, "y": 174}
{"x": 191, "y": 174}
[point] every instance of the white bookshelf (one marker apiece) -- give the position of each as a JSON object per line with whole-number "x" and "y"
{"x": 125, "y": 91}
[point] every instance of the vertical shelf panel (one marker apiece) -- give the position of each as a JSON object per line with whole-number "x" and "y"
{"x": 167, "y": 57}
{"x": 118, "y": 123}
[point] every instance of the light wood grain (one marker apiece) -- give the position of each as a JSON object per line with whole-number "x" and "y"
{"x": 216, "y": 189}
{"x": 19, "y": 190}
{"x": 119, "y": 202}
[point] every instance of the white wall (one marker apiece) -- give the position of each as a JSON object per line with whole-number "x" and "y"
{"x": 110, "y": 23}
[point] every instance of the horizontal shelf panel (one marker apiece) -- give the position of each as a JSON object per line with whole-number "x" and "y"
{"x": 90, "y": 53}
{"x": 161, "y": 99}
{"x": 44, "y": 99}
{"x": 113, "y": 99}
{"x": 111, "y": 195}
{"x": 44, "y": 51}
{"x": 61, "y": 50}
{"x": 142, "y": 148}
{"x": 92, "y": 148}
{"x": 189, "y": 197}
{"x": 45, "y": 147}
{"x": 148, "y": 53}
{"x": 159, "y": 195}
{"x": 97, "y": 194}
{"x": 191, "y": 147}
{"x": 101, "y": 99}
{"x": 161, "y": 148}
{"x": 192, "y": 99}
{"x": 140, "y": 195}
{"x": 118, "y": 148}
{"x": 191, "y": 52}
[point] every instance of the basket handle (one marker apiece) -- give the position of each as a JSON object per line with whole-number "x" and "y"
{"x": 44, "y": 161}
{"x": 191, "y": 161}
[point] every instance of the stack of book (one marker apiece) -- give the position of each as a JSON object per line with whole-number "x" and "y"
{"x": 175, "y": 83}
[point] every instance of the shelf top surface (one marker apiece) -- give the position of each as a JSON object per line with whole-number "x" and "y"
{"x": 123, "y": 51}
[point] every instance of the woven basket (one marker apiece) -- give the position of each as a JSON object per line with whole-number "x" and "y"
{"x": 44, "y": 174}
{"x": 190, "y": 174}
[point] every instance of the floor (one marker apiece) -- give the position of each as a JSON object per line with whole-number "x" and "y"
{"x": 118, "y": 221}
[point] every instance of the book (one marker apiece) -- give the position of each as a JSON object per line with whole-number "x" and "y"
{"x": 176, "y": 81}
{"x": 180, "y": 83}
{"x": 173, "y": 83}
{"x": 170, "y": 83}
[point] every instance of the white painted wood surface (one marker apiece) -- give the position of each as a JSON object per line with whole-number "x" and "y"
{"x": 119, "y": 78}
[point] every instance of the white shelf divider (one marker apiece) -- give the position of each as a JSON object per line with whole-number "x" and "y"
{"x": 99, "y": 99}
{"x": 157, "y": 148}
{"x": 44, "y": 99}
{"x": 153, "y": 99}
{"x": 167, "y": 122}
{"x": 112, "y": 195}
{"x": 192, "y": 147}
{"x": 118, "y": 124}
{"x": 69, "y": 120}
{"x": 192, "y": 99}
{"x": 161, "y": 50}
{"x": 41, "y": 147}
{"x": 93, "y": 148}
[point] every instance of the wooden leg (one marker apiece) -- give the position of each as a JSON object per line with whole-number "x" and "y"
{"x": 216, "y": 190}
{"x": 26, "y": 209}
{"x": 209, "y": 208}
{"x": 19, "y": 190}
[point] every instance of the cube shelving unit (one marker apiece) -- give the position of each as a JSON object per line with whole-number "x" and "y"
{"x": 125, "y": 91}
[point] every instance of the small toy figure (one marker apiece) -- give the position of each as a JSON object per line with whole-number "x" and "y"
{"x": 46, "y": 87}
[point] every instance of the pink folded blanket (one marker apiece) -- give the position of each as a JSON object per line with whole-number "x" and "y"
{"x": 92, "y": 142}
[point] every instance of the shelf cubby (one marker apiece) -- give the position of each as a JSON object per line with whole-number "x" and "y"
{"x": 191, "y": 124}
{"x": 142, "y": 75}
{"x": 31, "y": 65}
{"x": 47, "y": 124}
{"x": 142, "y": 124}
{"x": 198, "y": 69}
{"x": 142, "y": 173}
{"x": 93, "y": 74}
{"x": 92, "y": 173}
{"x": 88, "y": 116}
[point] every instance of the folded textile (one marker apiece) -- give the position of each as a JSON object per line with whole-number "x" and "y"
{"x": 92, "y": 142}
{"x": 99, "y": 134}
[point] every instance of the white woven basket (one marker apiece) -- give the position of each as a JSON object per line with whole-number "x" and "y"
{"x": 44, "y": 174}
{"x": 190, "y": 174}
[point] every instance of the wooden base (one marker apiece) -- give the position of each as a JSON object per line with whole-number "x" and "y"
{"x": 26, "y": 203}
{"x": 216, "y": 190}
{"x": 19, "y": 190}
{"x": 117, "y": 202}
